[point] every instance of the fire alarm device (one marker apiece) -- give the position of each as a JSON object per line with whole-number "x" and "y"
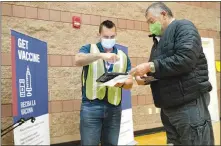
{"x": 76, "y": 21}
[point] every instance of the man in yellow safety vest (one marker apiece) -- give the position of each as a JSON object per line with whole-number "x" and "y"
{"x": 100, "y": 110}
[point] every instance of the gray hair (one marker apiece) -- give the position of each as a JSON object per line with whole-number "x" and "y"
{"x": 157, "y": 8}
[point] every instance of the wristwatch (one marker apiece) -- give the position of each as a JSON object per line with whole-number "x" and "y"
{"x": 152, "y": 67}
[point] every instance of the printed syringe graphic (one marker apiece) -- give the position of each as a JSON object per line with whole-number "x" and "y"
{"x": 28, "y": 82}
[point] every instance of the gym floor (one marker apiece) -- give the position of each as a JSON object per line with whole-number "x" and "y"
{"x": 160, "y": 138}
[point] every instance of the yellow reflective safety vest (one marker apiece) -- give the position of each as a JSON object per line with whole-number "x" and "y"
{"x": 95, "y": 70}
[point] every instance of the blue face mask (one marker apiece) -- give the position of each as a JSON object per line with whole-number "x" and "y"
{"x": 108, "y": 43}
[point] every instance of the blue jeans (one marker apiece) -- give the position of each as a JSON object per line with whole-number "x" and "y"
{"x": 100, "y": 122}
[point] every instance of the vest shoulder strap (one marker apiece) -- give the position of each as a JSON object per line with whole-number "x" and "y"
{"x": 94, "y": 49}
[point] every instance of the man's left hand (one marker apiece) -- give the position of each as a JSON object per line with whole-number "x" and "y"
{"x": 119, "y": 85}
{"x": 142, "y": 69}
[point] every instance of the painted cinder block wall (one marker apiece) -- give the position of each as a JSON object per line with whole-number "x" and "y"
{"x": 51, "y": 22}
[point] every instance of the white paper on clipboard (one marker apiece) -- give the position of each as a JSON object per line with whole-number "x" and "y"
{"x": 114, "y": 81}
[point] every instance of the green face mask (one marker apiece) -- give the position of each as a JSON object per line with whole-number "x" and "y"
{"x": 155, "y": 28}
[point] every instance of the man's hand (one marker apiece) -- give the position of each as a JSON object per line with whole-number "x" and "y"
{"x": 140, "y": 80}
{"x": 142, "y": 69}
{"x": 110, "y": 57}
{"x": 119, "y": 85}
{"x": 127, "y": 84}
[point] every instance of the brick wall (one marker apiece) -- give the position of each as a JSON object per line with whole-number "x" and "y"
{"x": 51, "y": 22}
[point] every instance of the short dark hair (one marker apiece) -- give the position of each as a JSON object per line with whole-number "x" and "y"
{"x": 161, "y": 6}
{"x": 107, "y": 23}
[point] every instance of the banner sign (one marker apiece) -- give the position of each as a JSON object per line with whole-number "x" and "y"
{"x": 208, "y": 49}
{"x": 126, "y": 136}
{"x": 30, "y": 89}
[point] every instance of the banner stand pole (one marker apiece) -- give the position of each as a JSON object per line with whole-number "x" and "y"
{"x": 20, "y": 122}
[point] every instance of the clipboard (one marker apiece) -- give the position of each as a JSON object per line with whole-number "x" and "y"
{"x": 109, "y": 76}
